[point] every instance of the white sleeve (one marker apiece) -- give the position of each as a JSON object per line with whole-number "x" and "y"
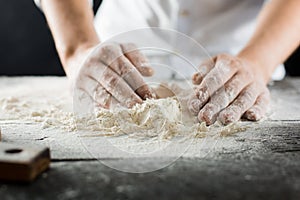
{"x": 38, "y": 3}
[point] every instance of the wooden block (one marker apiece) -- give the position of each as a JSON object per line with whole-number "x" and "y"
{"x": 22, "y": 163}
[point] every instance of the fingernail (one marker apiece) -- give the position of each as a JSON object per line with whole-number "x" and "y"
{"x": 204, "y": 118}
{"x": 227, "y": 118}
{"x": 196, "y": 78}
{"x": 208, "y": 114}
{"x": 144, "y": 92}
{"x": 252, "y": 115}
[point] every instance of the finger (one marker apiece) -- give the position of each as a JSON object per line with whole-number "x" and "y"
{"x": 244, "y": 101}
{"x": 134, "y": 79}
{"x": 194, "y": 105}
{"x": 138, "y": 59}
{"x": 108, "y": 102}
{"x": 112, "y": 56}
{"x": 224, "y": 69}
{"x": 203, "y": 69}
{"x": 222, "y": 98}
{"x": 114, "y": 84}
{"x": 95, "y": 91}
{"x": 102, "y": 97}
{"x": 259, "y": 109}
{"x": 207, "y": 115}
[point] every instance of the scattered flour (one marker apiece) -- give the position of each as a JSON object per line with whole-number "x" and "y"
{"x": 30, "y": 102}
{"x": 160, "y": 118}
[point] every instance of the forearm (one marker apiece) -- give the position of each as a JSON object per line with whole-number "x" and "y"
{"x": 71, "y": 24}
{"x": 276, "y": 37}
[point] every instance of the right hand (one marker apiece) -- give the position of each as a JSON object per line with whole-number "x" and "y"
{"x": 228, "y": 88}
{"x": 112, "y": 74}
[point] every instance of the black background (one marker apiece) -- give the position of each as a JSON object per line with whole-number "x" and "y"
{"x": 27, "y": 47}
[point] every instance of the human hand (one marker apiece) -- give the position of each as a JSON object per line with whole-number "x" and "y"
{"x": 228, "y": 88}
{"x": 112, "y": 74}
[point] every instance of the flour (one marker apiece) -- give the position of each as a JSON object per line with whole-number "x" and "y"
{"x": 32, "y": 109}
{"x": 14, "y": 108}
{"x": 155, "y": 118}
{"x": 160, "y": 118}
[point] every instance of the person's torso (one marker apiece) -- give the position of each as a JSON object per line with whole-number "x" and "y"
{"x": 218, "y": 25}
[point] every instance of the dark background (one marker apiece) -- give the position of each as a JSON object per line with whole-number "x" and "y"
{"x": 27, "y": 47}
{"x": 26, "y": 43}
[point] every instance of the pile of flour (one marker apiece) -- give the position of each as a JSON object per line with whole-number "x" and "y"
{"x": 162, "y": 118}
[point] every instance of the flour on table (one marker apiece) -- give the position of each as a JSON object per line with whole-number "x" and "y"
{"x": 160, "y": 118}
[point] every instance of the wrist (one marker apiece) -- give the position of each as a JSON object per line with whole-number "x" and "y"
{"x": 73, "y": 56}
{"x": 258, "y": 64}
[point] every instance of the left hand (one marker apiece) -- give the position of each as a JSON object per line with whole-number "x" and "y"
{"x": 112, "y": 74}
{"x": 229, "y": 88}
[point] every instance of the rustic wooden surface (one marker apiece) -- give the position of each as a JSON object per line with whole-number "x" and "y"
{"x": 262, "y": 163}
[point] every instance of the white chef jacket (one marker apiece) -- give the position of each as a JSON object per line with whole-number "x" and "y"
{"x": 220, "y": 26}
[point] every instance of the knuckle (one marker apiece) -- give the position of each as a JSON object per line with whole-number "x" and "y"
{"x": 131, "y": 50}
{"x": 231, "y": 90}
{"x": 233, "y": 86}
{"x": 89, "y": 62}
{"x": 129, "y": 46}
{"x": 251, "y": 90}
{"x": 235, "y": 63}
{"x": 202, "y": 91}
{"x": 100, "y": 91}
{"x": 230, "y": 61}
{"x": 214, "y": 81}
{"x": 247, "y": 75}
{"x": 224, "y": 56}
{"x": 110, "y": 80}
{"x": 109, "y": 50}
{"x": 246, "y": 98}
{"x": 123, "y": 67}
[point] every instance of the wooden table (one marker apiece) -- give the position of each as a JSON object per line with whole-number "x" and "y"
{"x": 262, "y": 162}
